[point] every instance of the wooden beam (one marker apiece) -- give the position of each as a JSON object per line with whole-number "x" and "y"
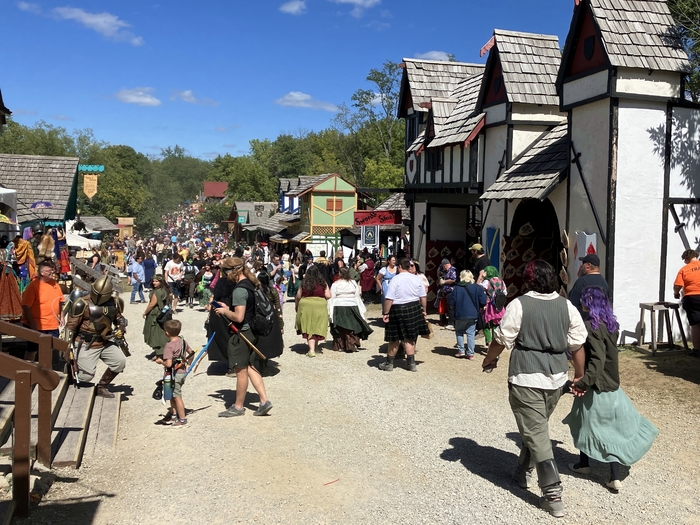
{"x": 20, "y": 455}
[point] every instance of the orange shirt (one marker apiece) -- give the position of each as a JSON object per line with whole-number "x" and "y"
{"x": 45, "y": 301}
{"x": 689, "y": 278}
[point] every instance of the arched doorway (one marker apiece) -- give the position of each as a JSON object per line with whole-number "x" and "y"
{"x": 534, "y": 234}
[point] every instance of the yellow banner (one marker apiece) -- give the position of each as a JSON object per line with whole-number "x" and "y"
{"x": 90, "y": 185}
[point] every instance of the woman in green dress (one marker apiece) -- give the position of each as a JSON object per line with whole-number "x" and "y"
{"x": 153, "y": 333}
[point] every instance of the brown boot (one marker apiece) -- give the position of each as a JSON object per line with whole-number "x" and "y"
{"x": 106, "y": 379}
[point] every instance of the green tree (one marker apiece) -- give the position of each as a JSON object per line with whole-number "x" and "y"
{"x": 686, "y": 13}
{"x": 247, "y": 179}
{"x": 41, "y": 139}
{"x": 215, "y": 212}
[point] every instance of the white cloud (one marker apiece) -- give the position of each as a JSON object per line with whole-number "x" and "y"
{"x": 211, "y": 154}
{"x": 433, "y": 55}
{"x": 297, "y": 99}
{"x": 16, "y": 112}
{"x": 188, "y": 96}
{"x": 295, "y": 7}
{"x": 359, "y": 5}
{"x": 108, "y": 25}
{"x": 139, "y": 95}
{"x": 229, "y": 146}
{"x": 221, "y": 129}
{"x": 61, "y": 117}
{"x": 30, "y": 8}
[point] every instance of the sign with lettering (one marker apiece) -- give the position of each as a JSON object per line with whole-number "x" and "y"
{"x": 377, "y": 217}
{"x": 90, "y": 185}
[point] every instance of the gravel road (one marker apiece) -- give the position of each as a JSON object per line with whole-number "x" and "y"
{"x": 348, "y": 443}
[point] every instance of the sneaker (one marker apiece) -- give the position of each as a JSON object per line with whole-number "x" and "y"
{"x": 460, "y": 354}
{"x": 179, "y": 423}
{"x": 233, "y": 412}
{"x": 614, "y": 485}
{"x": 470, "y": 357}
{"x": 263, "y": 408}
{"x": 574, "y": 467}
{"x": 554, "y": 506}
{"x": 230, "y": 373}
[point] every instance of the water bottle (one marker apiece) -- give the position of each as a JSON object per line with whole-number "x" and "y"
{"x": 167, "y": 387}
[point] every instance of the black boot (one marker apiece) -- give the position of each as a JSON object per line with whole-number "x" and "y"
{"x": 411, "y": 363}
{"x": 387, "y": 365}
{"x": 106, "y": 379}
{"x": 550, "y": 484}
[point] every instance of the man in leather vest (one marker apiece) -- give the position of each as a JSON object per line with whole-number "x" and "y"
{"x": 91, "y": 326}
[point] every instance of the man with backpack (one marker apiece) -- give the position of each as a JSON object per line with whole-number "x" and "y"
{"x": 244, "y": 316}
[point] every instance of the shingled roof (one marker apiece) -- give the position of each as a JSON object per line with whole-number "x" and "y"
{"x": 638, "y": 34}
{"x": 271, "y": 224}
{"x": 247, "y": 209}
{"x": 430, "y": 79}
{"x": 289, "y": 184}
{"x": 462, "y": 121}
{"x": 537, "y": 172}
{"x": 530, "y": 64}
{"x": 306, "y": 183}
{"x": 396, "y": 202}
{"x": 38, "y": 178}
{"x": 99, "y": 224}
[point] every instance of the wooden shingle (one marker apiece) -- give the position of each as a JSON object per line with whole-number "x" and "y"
{"x": 537, "y": 172}
{"x": 639, "y": 34}
{"x": 40, "y": 178}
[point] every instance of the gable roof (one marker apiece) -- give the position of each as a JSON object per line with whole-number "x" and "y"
{"x": 271, "y": 224}
{"x": 308, "y": 183}
{"x": 289, "y": 184}
{"x": 424, "y": 80}
{"x": 529, "y": 63}
{"x": 538, "y": 171}
{"x": 215, "y": 189}
{"x": 247, "y": 209}
{"x": 40, "y": 178}
{"x": 463, "y": 119}
{"x": 396, "y": 202}
{"x": 99, "y": 224}
{"x": 636, "y": 34}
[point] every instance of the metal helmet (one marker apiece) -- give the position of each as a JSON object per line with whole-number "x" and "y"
{"x": 101, "y": 290}
{"x": 37, "y": 228}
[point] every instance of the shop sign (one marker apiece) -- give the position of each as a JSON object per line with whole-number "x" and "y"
{"x": 90, "y": 185}
{"x": 377, "y": 217}
{"x": 370, "y": 235}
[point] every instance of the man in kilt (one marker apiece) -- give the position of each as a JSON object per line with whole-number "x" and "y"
{"x": 404, "y": 315}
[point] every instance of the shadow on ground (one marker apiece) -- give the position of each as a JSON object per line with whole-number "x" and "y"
{"x": 229, "y": 398}
{"x": 66, "y": 513}
{"x": 682, "y": 366}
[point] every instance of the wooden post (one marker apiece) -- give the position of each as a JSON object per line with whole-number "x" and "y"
{"x": 43, "y": 446}
{"x": 20, "y": 458}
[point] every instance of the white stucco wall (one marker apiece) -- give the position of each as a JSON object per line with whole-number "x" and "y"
{"x": 647, "y": 84}
{"x": 495, "y": 114}
{"x": 638, "y": 209}
{"x": 684, "y": 183}
{"x": 585, "y": 88}
{"x": 524, "y": 137}
{"x": 536, "y": 113}
{"x": 590, "y": 125}
{"x": 495, "y": 143}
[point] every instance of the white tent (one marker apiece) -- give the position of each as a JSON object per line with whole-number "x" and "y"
{"x": 78, "y": 241}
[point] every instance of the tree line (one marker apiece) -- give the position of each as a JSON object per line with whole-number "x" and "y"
{"x": 364, "y": 143}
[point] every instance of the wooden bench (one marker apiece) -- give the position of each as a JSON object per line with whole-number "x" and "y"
{"x": 660, "y": 314}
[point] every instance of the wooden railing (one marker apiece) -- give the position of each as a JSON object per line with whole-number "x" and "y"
{"x": 25, "y": 375}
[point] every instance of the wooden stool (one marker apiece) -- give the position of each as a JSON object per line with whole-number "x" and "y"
{"x": 662, "y": 311}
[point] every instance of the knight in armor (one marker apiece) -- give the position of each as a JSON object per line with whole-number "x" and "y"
{"x": 96, "y": 327}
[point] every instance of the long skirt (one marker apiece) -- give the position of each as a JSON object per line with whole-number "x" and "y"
{"x": 348, "y": 328}
{"x": 607, "y": 427}
{"x": 312, "y": 318}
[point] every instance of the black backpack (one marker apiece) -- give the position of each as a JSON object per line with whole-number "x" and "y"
{"x": 499, "y": 300}
{"x": 262, "y": 320}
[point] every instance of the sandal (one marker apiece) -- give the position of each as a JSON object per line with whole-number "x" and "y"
{"x": 311, "y": 354}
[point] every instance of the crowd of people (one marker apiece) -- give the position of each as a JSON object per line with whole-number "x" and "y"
{"x": 183, "y": 267}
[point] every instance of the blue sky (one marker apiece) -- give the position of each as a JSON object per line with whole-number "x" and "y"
{"x": 212, "y": 75}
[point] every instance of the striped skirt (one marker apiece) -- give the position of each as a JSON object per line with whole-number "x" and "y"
{"x": 406, "y": 323}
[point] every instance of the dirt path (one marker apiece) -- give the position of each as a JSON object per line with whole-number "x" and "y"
{"x": 347, "y": 443}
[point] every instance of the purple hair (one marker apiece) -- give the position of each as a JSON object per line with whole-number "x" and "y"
{"x": 600, "y": 311}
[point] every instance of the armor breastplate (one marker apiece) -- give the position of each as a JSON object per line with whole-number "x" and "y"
{"x": 102, "y": 317}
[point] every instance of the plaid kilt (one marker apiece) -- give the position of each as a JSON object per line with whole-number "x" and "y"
{"x": 406, "y": 323}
